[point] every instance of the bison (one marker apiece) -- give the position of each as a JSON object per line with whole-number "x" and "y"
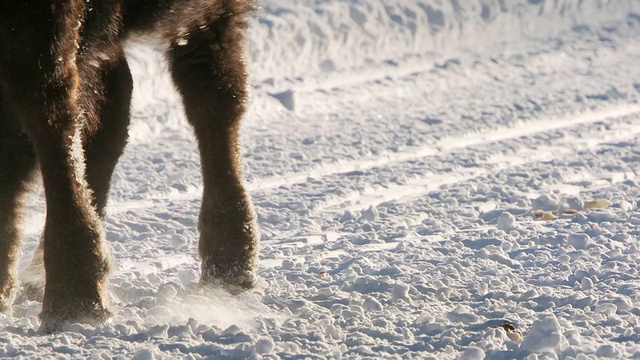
{"x": 65, "y": 94}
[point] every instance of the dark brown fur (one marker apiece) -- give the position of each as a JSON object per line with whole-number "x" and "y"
{"x": 65, "y": 92}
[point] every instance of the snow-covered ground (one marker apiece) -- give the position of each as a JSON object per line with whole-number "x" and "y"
{"x": 438, "y": 179}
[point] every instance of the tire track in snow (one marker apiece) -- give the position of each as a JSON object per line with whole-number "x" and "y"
{"x": 522, "y": 129}
{"x": 416, "y": 187}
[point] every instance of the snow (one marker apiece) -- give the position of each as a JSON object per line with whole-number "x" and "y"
{"x": 426, "y": 175}
{"x": 544, "y": 336}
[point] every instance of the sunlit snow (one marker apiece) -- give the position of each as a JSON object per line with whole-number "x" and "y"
{"x": 434, "y": 179}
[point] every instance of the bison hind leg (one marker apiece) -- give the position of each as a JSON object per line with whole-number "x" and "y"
{"x": 208, "y": 69}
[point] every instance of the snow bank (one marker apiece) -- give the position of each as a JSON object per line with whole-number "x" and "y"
{"x": 301, "y": 36}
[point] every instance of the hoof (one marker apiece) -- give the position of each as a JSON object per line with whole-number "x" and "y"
{"x": 234, "y": 281}
{"x": 61, "y": 318}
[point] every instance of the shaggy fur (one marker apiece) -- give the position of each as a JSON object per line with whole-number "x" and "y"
{"x": 65, "y": 92}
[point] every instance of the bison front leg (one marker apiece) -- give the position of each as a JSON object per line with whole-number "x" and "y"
{"x": 75, "y": 261}
{"x": 103, "y": 147}
{"x": 43, "y": 85}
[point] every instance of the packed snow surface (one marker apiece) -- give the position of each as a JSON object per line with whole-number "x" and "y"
{"x": 434, "y": 179}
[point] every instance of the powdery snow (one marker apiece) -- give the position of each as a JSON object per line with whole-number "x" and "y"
{"x": 433, "y": 179}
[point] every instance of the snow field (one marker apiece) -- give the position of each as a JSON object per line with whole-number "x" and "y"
{"x": 396, "y": 155}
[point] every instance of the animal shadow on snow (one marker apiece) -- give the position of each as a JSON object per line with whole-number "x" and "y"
{"x": 65, "y": 93}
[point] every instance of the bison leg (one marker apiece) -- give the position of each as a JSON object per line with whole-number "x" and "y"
{"x": 43, "y": 82}
{"x": 103, "y": 148}
{"x": 17, "y": 163}
{"x": 208, "y": 69}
